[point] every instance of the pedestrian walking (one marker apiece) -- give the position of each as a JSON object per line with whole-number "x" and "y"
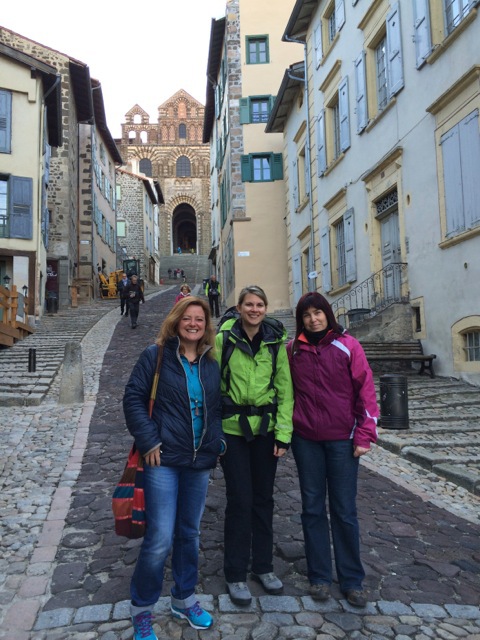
{"x": 212, "y": 291}
{"x": 257, "y": 405}
{"x": 134, "y": 294}
{"x": 121, "y": 286}
{"x": 184, "y": 292}
{"x": 334, "y": 423}
{"x": 169, "y": 272}
{"x": 180, "y": 443}
{"x": 182, "y": 273}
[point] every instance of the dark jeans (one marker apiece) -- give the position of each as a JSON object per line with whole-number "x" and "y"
{"x": 213, "y": 302}
{"x": 249, "y": 469}
{"x": 133, "y": 308}
{"x": 124, "y": 305}
{"x": 331, "y": 465}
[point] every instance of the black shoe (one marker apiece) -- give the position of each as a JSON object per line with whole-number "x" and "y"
{"x": 134, "y": 326}
{"x": 356, "y": 598}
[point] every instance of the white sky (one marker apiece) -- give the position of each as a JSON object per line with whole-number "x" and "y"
{"x": 139, "y": 59}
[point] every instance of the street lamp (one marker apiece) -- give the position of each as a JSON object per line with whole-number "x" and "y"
{"x": 6, "y": 281}
{"x": 25, "y": 290}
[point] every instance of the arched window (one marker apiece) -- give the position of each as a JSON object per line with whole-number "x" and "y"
{"x": 146, "y": 167}
{"x": 183, "y": 167}
{"x": 182, "y": 131}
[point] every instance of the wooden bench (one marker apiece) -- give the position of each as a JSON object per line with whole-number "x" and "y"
{"x": 406, "y": 351}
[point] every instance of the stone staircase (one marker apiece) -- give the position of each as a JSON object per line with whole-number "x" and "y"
{"x": 196, "y": 267}
{"x": 21, "y": 387}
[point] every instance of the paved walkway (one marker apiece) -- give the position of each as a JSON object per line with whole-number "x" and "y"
{"x": 64, "y": 574}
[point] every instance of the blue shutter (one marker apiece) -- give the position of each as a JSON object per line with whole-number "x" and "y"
{"x": 5, "y": 121}
{"x": 343, "y": 108}
{"x": 361, "y": 96}
{"x": 421, "y": 25}
{"x": 247, "y": 169}
{"x": 21, "y": 214}
{"x": 277, "y": 166}
{"x": 321, "y": 150}
{"x": 244, "y": 110}
{"x": 339, "y": 14}
{"x": 350, "y": 256}
{"x": 325, "y": 257}
{"x": 470, "y": 164}
{"x": 452, "y": 176}
{"x": 394, "y": 51}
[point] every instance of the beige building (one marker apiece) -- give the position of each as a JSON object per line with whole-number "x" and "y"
{"x": 389, "y": 196}
{"x": 171, "y": 152}
{"x": 30, "y": 126}
{"x": 247, "y": 59}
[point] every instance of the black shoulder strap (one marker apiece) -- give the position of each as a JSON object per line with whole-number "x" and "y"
{"x": 227, "y": 350}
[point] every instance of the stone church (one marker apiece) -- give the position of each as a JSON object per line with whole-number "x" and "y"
{"x": 171, "y": 151}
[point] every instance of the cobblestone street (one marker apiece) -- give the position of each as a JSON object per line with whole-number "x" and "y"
{"x": 65, "y": 574}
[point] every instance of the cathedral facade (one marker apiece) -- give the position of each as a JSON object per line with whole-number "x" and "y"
{"x": 171, "y": 151}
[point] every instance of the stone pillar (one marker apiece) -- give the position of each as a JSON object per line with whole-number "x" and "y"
{"x": 71, "y": 383}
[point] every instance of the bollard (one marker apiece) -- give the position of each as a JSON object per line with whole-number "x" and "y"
{"x": 393, "y": 402}
{"x": 32, "y": 360}
{"x": 71, "y": 382}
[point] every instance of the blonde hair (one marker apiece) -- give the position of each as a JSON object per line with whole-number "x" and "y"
{"x": 169, "y": 328}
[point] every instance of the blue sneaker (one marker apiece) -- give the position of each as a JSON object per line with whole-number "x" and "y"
{"x": 196, "y": 617}
{"x": 142, "y": 626}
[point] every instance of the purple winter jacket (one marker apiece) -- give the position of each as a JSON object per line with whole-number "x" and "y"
{"x": 335, "y": 396}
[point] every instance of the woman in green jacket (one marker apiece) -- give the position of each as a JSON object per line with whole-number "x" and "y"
{"x": 257, "y": 406}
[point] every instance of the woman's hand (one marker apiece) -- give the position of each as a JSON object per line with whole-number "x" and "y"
{"x": 359, "y": 451}
{"x": 278, "y": 452}
{"x": 152, "y": 459}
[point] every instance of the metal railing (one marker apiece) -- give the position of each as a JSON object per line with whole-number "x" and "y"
{"x": 382, "y": 289}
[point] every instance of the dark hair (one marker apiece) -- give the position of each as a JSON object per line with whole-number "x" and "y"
{"x": 316, "y": 300}
{"x": 255, "y": 290}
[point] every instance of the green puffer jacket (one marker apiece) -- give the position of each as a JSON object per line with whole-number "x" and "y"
{"x": 249, "y": 380}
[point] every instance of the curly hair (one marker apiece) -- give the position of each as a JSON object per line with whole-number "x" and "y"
{"x": 169, "y": 328}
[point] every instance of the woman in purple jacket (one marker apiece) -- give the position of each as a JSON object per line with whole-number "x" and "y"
{"x": 334, "y": 423}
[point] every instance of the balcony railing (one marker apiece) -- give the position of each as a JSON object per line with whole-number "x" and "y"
{"x": 382, "y": 289}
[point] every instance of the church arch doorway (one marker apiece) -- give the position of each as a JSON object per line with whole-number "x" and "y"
{"x": 184, "y": 227}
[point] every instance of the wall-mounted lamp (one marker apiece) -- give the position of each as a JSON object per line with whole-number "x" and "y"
{"x": 6, "y": 281}
{"x": 25, "y": 290}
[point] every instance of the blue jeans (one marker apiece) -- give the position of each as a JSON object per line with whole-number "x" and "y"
{"x": 331, "y": 465}
{"x": 174, "y": 500}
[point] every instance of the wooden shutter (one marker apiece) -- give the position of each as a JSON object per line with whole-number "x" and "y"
{"x": 325, "y": 257}
{"x": 343, "y": 109}
{"x": 21, "y": 214}
{"x": 470, "y": 163}
{"x": 247, "y": 169}
{"x": 350, "y": 256}
{"x": 421, "y": 25}
{"x": 452, "y": 177}
{"x": 394, "y": 51}
{"x": 339, "y": 14}
{"x": 244, "y": 110}
{"x": 317, "y": 43}
{"x": 277, "y": 166}
{"x": 321, "y": 151}
{"x": 5, "y": 121}
{"x": 361, "y": 88}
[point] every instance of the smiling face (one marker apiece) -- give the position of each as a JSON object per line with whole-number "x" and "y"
{"x": 191, "y": 327}
{"x": 314, "y": 320}
{"x": 252, "y": 311}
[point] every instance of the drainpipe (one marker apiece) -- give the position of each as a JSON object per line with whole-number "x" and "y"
{"x": 312, "y": 282}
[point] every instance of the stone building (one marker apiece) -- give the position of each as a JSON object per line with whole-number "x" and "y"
{"x": 171, "y": 152}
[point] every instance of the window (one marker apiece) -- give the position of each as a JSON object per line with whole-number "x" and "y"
{"x": 262, "y": 167}
{"x": 460, "y": 147}
{"x": 5, "y": 121}
{"x": 340, "y": 251}
{"x": 145, "y": 167}
{"x": 333, "y": 124}
{"x": 255, "y": 109}
{"x": 472, "y": 346}
{"x": 182, "y": 131}
{"x": 183, "y": 167}
{"x": 378, "y": 69}
{"x": 121, "y": 228}
{"x": 332, "y": 28}
{"x": 455, "y": 11}
{"x": 339, "y": 265}
{"x": 16, "y": 218}
{"x": 257, "y": 50}
{"x": 332, "y": 20}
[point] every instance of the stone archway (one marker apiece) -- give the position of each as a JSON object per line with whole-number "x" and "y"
{"x": 184, "y": 227}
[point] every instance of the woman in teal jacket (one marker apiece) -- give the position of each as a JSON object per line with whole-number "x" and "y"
{"x": 257, "y": 407}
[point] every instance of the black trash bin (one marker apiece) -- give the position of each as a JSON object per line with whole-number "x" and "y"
{"x": 393, "y": 402}
{"x": 52, "y": 303}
